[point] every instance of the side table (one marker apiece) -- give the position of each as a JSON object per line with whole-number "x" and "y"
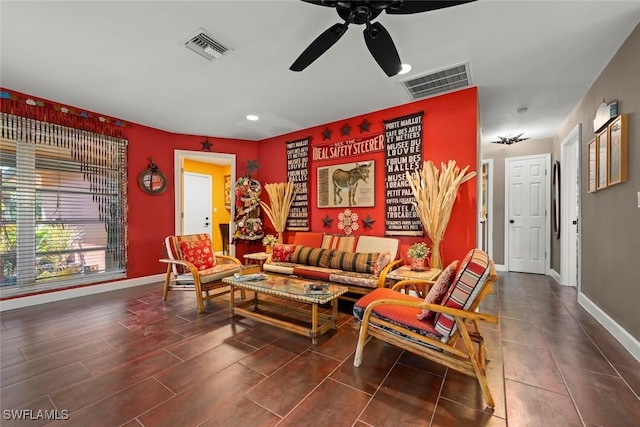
{"x": 256, "y": 258}
{"x": 405, "y": 273}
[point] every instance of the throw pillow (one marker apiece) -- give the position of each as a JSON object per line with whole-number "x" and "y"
{"x": 439, "y": 289}
{"x": 356, "y": 262}
{"x": 383, "y": 260}
{"x": 199, "y": 253}
{"x": 311, "y": 256}
{"x": 470, "y": 279}
{"x": 282, "y": 253}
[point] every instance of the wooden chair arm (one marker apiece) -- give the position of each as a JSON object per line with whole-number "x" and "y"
{"x": 382, "y": 276}
{"x": 192, "y": 268}
{"x": 424, "y": 284}
{"x": 455, "y": 312}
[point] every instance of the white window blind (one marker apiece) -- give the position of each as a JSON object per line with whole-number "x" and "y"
{"x": 63, "y": 216}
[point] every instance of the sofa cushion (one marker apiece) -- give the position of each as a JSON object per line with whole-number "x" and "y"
{"x": 308, "y": 238}
{"x": 363, "y": 280}
{"x": 311, "y": 256}
{"x": 197, "y": 252}
{"x": 338, "y": 242}
{"x": 440, "y": 288}
{"x": 470, "y": 278}
{"x": 378, "y": 244}
{"x": 282, "y": 253}
{"x": 311, "y": 273}
{"x": 351, "y": 261}
{"x": 213, "y": 274}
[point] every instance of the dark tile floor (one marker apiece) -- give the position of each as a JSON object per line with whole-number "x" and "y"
{"x": 127, "y": 358}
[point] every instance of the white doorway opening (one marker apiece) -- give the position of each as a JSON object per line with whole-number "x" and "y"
{"x": 220, "y": 159}
{"x": 570, "y": 209}
{"x": 485, "y": 208}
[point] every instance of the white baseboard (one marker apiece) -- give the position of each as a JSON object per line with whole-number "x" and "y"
{"x": 618, "y": 332}
{"x": 555, "y": 276}
{"x": 501, "y": 267}
{"x": 27, "y": 301}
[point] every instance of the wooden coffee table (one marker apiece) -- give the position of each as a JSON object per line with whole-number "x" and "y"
{"x": 275, "y": 311}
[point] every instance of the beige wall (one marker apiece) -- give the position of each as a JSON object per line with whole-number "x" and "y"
{"x": 610, "y": 218}
{"x": 499, "y": 153}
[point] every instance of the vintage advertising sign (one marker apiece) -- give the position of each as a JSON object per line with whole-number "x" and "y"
{"x": 349, "y": 148}
{"x": 403, "y": 137}
{"x": 298, "y": 173}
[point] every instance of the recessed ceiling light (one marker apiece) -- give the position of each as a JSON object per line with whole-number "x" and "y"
{"x": 405, "y": 69}
{"x": 252, "y": 117}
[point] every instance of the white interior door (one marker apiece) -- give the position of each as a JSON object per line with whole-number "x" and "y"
{"x": 196, "y": 203}
{"x": 527, "y": 233}
{"x": 569, "y": 215}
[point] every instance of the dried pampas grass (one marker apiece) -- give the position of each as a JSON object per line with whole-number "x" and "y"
{"x": 435, "y": 192}
{"x": 280, "y": 195}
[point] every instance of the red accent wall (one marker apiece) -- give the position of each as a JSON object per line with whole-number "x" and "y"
{"x": 152, "y": 217}
{"x": 450, "y": 131}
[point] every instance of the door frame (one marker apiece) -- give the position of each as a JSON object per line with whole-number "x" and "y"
{"x": 216, "y": 158}
{"x": 570, "y": 144}
{"x": 489, "y": 163}
{"x": 547, "y": 208}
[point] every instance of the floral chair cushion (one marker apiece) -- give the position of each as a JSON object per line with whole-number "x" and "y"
{"x": 199, "y": 253}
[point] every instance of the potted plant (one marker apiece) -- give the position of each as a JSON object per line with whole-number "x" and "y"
{"x": 268, "y": 241}
{"x": 418, "y": 253}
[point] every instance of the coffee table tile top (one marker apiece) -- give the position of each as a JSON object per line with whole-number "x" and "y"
{"x": 288, "y": 287}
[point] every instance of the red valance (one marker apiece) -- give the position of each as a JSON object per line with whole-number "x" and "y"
{"x": 22, "y": 105}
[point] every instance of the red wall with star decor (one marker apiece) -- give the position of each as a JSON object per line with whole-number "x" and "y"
{"x": 152, "y": 217}
{"x": 450, "y": 131}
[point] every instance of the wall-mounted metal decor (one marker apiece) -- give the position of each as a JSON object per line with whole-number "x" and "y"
{"x": 152, "y": 180}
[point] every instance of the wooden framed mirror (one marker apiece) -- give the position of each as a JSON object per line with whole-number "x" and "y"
{"x": 555, "y": 199}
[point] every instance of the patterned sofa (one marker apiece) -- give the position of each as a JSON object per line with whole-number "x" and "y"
{"x": 359, "y": 262}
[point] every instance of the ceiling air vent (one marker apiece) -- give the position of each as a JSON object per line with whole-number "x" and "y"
{"x": 438, "y": 82}
{"x": 204, "y": 45}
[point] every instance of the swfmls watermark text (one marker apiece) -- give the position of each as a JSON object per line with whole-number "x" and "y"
{"x": 35, "y": 414}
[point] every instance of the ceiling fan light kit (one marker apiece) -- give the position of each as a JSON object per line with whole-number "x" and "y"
{"x": 377, "y": 38}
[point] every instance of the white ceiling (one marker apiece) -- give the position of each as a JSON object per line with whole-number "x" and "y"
{"x": 127, "y": 60}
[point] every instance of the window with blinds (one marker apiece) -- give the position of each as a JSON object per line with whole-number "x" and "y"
{"x": 63, "y": 213}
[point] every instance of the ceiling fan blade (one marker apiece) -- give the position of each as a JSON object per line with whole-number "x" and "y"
{"x": 407, "y": 7}
{"x": 327, "y": 3}
{"x": 319, "y": 46}
{"x": 382, "y": 48}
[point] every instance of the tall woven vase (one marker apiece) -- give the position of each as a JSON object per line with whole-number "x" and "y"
{"x": 436, "y": 257}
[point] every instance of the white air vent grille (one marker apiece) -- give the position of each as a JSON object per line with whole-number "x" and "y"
{"x": 203, "y": 44}
{"x": 439, "y": 82}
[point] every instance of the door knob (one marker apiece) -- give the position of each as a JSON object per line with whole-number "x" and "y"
{"x": 511, "y": 221}
{"x": 574, "y": 222}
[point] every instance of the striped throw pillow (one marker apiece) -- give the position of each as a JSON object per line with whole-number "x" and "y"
{"x": 356, "y": 262}
{"x": 469, "y": 281}
{"x": 311, "y": 256}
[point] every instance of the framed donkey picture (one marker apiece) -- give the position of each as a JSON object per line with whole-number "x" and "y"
{"x": 347, "y": 185}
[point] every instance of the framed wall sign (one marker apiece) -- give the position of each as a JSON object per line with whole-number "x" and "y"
{"x": 603, "y": 161}
{"x": 227, "y": 191}
{"x": 592, "y": 166}
{"x": 618, "y": 150}
{"x": 346, "y": 185}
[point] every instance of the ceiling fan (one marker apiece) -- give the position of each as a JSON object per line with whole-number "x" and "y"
{"x": 376, "y": 36}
